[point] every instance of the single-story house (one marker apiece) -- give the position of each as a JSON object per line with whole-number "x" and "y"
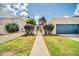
{"x": 65, "y": 25}
{"x": 20, "y": 21}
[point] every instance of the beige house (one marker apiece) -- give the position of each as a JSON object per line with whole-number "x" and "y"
{"x": 20, "y": 21}
{"x": 65, "y": 25}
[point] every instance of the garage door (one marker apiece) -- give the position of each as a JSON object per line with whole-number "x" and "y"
{"x": 67, "y": 29}
{"x": 78, "y": 28}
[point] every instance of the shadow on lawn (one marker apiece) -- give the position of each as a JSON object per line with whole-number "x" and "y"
{"x": 52, "y": 35}
{"x": 27, "y": 35}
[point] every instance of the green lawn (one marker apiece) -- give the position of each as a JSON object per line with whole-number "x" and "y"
{"x": 61, "y": 46}
{"x": 20, "y": 46}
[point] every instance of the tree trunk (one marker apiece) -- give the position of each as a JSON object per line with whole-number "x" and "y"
{"x": 45, "y": 32}
{"x": 49, "y": 32}
{"x": 28, "y": 32}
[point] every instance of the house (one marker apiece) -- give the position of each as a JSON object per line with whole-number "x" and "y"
{"x": 65, "y": 25}
{"x": 19, "y": 20}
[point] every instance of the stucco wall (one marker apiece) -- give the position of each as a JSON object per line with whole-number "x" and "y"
{"x": 18, "y": 20}
{"x": 21, "y": 23}
{"x": 3, "y": 22}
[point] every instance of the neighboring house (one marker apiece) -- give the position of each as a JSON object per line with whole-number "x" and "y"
{"x": 65, "y": 25}
{"x": 20, "y": 21}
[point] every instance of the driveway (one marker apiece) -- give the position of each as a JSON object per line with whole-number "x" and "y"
{"x": 71, "y": 36}
{"x": 8, "y": 37}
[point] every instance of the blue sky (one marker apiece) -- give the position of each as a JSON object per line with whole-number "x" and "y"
{"x": 50, "y": 10}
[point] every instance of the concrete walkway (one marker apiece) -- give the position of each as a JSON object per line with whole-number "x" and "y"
{"x": 8, "y": 37}
{"x": 39, "y": 48}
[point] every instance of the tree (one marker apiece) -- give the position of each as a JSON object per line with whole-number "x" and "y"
{"x": 12, "y": 27}
{"x": 31, "y": 21}
{"x": 42, "y": 20}
{"x": 29, "y": 28}
{"x": 48, "y": 28}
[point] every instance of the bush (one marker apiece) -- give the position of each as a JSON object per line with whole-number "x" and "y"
{"x": 12, "y": 27}
{"x": 29, "y": 28}
{"x": 48, "y": 28}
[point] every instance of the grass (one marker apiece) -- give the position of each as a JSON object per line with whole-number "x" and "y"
{"x": 20, "y": 46}
{"x": 61, "y": 46}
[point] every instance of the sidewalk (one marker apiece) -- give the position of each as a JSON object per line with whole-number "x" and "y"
{"x": 71, "y": 36}
{"x": 39, "y": 48}
{"x": 8, "y": 37}
{"x": 76, "y": 39}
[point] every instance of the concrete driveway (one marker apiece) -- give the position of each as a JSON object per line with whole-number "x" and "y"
{"x": 71, "y": 36}
{"x": 8, "y": 37}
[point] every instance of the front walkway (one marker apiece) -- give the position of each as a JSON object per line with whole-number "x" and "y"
{"x": 39, "y": 48}
{"x": 8, "y": 37}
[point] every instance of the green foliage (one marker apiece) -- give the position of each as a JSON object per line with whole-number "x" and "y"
{"x": 48, "y": 28}
{"x": 42, "y": 20}
{"x": 31, "y": 21}
{"x": 12, "y": 27}
{"x": 29, "y": 29}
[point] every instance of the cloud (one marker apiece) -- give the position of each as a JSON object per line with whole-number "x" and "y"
{"x": 2, "y": 6}
{"x": 36, "y": 17}
{"x": 77, "y": 10}
{"x": 21, "y": 8}
{"x": 66, "y": 16}
{"x": 4, "y": 10}
{"x": 17, "y": 9}
{"x": 23, "y": 13}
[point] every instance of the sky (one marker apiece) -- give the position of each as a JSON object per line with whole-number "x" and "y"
{"x": 48, "y": 10}
{"x": 51, "y": 10}
{"x": 14, "y": 9}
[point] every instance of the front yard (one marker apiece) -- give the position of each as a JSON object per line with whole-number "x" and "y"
{"x": 61, "y": 46}
{"x": 20, "y": 46}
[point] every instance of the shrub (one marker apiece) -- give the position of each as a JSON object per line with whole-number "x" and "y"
{"x": 29, "y": 28}
{"x": 12, "y": 27}
{"x": 48, "y": 28}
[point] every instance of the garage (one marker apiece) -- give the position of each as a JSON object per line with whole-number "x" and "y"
{"x": 67, "y": 28}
